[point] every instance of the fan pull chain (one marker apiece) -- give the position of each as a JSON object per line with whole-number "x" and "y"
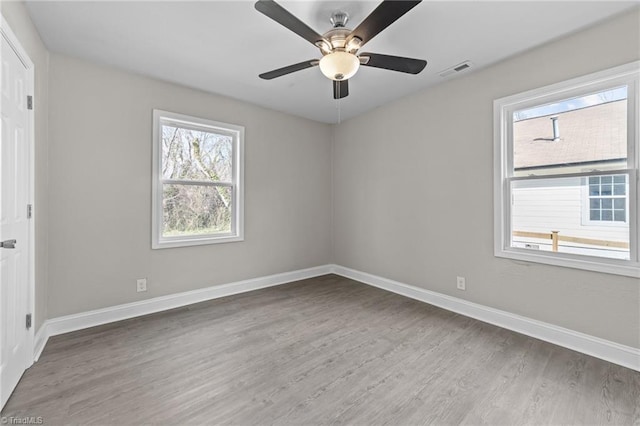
{"x": 338, "y": 105}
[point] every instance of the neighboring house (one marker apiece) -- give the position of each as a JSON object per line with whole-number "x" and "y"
{"x": 595, "y": 207}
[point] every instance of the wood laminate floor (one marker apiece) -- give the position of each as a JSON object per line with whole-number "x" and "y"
{"x": 322, "y": 351}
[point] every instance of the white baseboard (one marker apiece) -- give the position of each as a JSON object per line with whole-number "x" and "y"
{"x": 610, "y": 351}
{"x": 600, "y": 348}
{"x": 68, "y": 323}
{"x": 40, "y": 340}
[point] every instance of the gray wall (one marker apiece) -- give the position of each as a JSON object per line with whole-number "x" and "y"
{"x": 100, "y": 190}
{"x": 413, "y": 192}
{"x": 412, "y": 189}
{"x": 18, "y": 19}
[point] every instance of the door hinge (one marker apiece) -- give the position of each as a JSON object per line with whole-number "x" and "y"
{"x": 28, "y": 321}
{"x": 29, "y": 102}
{"x": 29, "y": 211}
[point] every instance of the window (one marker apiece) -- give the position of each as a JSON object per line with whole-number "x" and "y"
{"x": 566, "y": 173}
{"x": 197, "y": 181}
{"x": 607, "y": 198}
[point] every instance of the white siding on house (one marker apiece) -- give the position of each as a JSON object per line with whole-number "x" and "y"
{"x": 557, "y": 205}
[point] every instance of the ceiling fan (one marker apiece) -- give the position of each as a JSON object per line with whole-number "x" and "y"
{"x": 340, "y": 45}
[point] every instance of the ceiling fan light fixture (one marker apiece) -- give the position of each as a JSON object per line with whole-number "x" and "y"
{"x": 353, "y": 44}
{"x": 339, "y": 66}
{"x": 324, "y": 46}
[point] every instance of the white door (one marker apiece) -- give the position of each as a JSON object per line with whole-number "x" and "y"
{"x": 15, "y": 338}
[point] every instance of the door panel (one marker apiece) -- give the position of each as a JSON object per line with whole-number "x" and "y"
{"x": 14, "y": 224}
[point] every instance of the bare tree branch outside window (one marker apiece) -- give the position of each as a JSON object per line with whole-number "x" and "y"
{"x": 204, "y": 162}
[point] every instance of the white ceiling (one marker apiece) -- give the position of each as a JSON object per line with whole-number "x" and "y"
{"x": 222, "y": 46}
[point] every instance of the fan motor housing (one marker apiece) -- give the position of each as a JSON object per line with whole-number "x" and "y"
{"x": 338, "y": 39}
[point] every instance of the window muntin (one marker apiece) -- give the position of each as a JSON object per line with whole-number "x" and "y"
{"x": 543, "y": 173}
{"x": 197, "y": 186}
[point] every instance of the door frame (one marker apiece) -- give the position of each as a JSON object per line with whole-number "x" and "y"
{"x": 14, "y": 42}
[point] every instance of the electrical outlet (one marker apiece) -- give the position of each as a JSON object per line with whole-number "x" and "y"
{"x": 141, "y": 285}
{"x": 461, "y": 283}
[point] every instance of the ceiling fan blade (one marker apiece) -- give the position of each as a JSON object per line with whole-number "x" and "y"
{"x": 384, "y": 15}
{"x": 289, "y": 69}
{"x": 282, "y": 16}
{"x": 340, "y": 89}
{"x": 393, "y": 63}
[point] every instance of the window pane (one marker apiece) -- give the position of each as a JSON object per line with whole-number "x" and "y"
{"x": 189, "y": 154}
{"x": 567, "y": 137}
{"x": 594, "y": 189}
{"x": 196, "y": 210}
{"x": 620, "y": 179}
{"x": 619, "y": 189}
{"x": 619, "y": 203}
{"x": 606, "y": 190}
{"x": 541, "y": 206}
{"x": 619, "y": 216}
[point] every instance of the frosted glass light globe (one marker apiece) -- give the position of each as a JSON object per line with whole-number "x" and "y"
{"x": 339, "y": 65}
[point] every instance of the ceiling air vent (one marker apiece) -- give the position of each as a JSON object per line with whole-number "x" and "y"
{"x": 456, "y": 69}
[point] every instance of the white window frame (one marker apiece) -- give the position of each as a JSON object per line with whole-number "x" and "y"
{"x": 237, "y": 181}
{"x": 629, "y": 75}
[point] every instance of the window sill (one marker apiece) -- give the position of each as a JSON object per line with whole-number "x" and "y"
{"x": 608, "y": 266}
{"x": 187, "y": 242}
